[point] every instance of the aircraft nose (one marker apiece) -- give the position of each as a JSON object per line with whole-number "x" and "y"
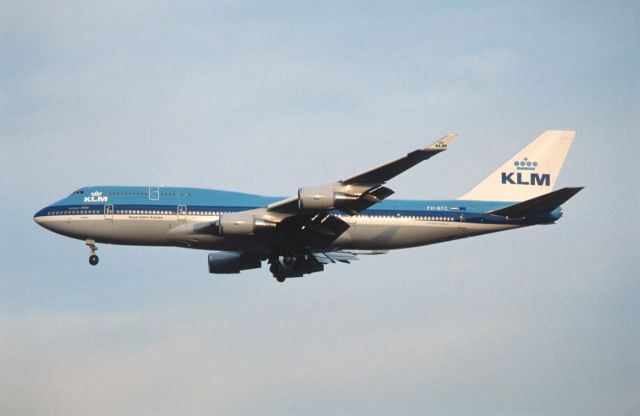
{"x": 55, "y": 223}
{"x": 38, "y": 216}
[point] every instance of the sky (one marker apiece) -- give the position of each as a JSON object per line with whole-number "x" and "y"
{"x": 266, "y": 97}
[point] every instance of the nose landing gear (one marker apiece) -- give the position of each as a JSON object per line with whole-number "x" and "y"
{"x": 93, "y": 258}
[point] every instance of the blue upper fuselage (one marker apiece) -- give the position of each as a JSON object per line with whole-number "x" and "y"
{"x": 93, "y": 199}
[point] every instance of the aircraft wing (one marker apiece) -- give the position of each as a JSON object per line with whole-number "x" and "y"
{"x": 303, "y": 227}
{"x": 308, "y": 221}
{"x": 390, "y": 170}
{"x": 358, "y": 192}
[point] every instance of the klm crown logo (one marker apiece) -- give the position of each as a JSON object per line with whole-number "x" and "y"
{"x": 521, "y": 178}
{"x": 96, "y": 196}
{"x": 526, "y": 164}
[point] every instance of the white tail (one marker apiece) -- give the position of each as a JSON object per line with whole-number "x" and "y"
{"x": 532, "y": 172}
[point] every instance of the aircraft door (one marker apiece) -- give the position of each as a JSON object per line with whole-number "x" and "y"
{"x": 108, "y": 212}
{"x": 154, "y": 193}
{"x": 182, "y": 212}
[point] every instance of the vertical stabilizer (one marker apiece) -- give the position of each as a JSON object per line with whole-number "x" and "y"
{"x": 532, "y": 172}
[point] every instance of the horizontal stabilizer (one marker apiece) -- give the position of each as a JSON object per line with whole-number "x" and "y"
{"x": 539, "y": 205}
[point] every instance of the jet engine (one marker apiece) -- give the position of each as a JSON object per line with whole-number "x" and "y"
{"x": 320, "y": 198}
{"x": 240, "y": 223}
{"x": 231, "y": 262}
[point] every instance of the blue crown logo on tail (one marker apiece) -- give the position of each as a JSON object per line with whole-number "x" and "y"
{"x": 520, "y": 178}
{"x": 525, "y": 164}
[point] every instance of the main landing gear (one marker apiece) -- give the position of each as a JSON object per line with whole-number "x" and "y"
{"x": 93, "y": 257}
{"x": 279, "y": 268}
{"x": 290, "y": 265}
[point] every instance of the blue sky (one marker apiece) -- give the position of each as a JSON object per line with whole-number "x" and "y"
{"x": 266, "y": 97}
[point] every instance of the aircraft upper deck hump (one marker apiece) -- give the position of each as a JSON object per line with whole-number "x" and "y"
{"x": 532, "y": 172}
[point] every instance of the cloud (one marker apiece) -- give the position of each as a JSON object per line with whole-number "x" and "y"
{"x": 486, "y": 63}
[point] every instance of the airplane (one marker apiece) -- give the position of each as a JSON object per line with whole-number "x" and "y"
{"x": 321, "y": 225}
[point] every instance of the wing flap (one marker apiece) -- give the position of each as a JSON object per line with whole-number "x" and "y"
{"x": 344, "y": 256}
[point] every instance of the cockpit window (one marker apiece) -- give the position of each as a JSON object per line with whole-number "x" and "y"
{"x": 78, "y": 192}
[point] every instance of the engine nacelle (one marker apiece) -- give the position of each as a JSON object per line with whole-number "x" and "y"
{"x": 320, "y": 198}
{"x": 240, "y": 223}
{"x": 231, "y": 262}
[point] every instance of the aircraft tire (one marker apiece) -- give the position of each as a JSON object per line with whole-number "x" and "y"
{"x": 93, "y": 259}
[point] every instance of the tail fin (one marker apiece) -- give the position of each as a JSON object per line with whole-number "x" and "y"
{"x": 530, "y": 173}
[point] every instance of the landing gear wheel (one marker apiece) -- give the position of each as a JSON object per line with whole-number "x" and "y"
{"x": 277, "y": 272}
{"x": 288, "y": 259}
{"x": 93, "y": 259}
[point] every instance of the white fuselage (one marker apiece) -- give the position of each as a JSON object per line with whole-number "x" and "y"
{"x": 157, "y": 228}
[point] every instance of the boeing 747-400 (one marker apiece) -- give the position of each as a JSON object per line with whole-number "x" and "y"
{"x": 320, "y": 225}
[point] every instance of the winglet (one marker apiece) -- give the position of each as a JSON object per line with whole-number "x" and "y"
{"x": 443, "y": 143}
